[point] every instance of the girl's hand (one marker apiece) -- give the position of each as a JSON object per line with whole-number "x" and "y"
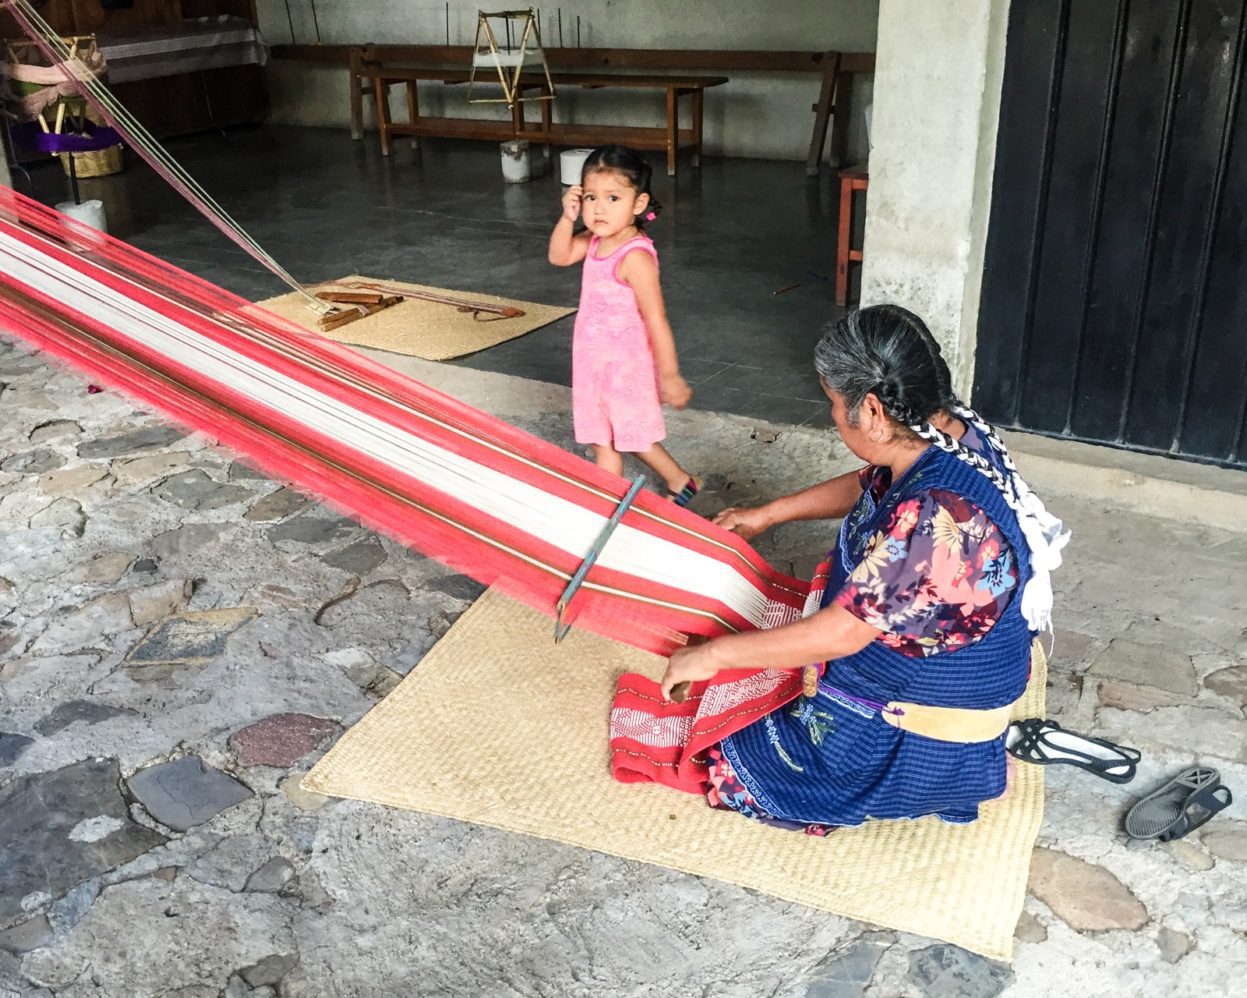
{"x": 571, "y": 202}
{"x": 674, "y": 390}
{"x": 688, "y": 665}
{"x": 746, "y": 521}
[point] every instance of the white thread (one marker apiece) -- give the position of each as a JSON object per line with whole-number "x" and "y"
{"x": 556, "y": 521}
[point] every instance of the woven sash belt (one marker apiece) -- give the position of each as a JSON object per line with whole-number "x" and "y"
{"x": 948, "y": 724}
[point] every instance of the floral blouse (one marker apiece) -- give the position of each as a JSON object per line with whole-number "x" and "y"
{"x": 936, "y": 577}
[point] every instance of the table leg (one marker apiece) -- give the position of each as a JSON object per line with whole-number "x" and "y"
{"x": 381, "y": 95}
{"x": 840, "y": 118}
{"x": 822, "y": 112}
{"x": 547, "y": 121}
{"x": 699, "y": 101}
{"x": 843, "y": 240}
{"x": 517, "y": 113}
{"x": 357, "y": 96}
{"x": 413, "y": 110}
{"x": 673, "y": 130}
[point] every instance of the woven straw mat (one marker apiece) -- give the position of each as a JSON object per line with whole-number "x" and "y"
{"x": 539, "y": 766}
{"x": 423, "y": 329}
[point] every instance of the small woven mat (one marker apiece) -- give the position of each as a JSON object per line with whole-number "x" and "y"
{"x": 421, "y": 328}
{"x": 531, "y": 757}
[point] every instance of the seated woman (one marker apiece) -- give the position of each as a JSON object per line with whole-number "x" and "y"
{"x": 936, "y": 587}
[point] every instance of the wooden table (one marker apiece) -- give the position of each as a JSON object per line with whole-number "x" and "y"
{"x": 831, "y": 111}
{"x": 670, "y": 137}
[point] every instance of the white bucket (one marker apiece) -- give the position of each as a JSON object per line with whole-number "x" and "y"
{"x": 571, "y": 165}
{"x": 516, "y": 169}
{"x": 88, "y": 213}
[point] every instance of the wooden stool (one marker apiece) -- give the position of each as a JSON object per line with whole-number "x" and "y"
{"x": 851, "y": 179}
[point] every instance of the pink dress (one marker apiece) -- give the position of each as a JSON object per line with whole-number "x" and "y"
{"x": 614, "y": 378}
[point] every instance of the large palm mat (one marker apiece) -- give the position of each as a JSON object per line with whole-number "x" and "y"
{"x": 530, "y": 755}
{"x": 425, "y": 329}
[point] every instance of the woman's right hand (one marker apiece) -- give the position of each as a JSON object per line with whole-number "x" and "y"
{"x": 571, "y": 202}
{"x": 747, "y": 521}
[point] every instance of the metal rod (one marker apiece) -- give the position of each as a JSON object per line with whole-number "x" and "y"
{"x": 315, "y": 21}
{"x": 447, "y": 22}
{"x": 560, "y": 27}
{"x": 290, "y": 21}
{"x": 561, "y": 629}
{"x": 577, "y": 31}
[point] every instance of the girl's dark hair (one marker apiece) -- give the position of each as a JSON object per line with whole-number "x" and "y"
{"x": 629, "y": 162}
{"x": 887, "y": 350}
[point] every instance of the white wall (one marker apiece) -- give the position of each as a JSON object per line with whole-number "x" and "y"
{"x": 939, "y": 68}
{"x": 754, "y": 114}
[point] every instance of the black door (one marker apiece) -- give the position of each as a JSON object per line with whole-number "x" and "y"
{"x": 1114, "y": 304}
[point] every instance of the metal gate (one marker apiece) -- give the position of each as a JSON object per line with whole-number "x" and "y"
{"x": 1114, "y": 305}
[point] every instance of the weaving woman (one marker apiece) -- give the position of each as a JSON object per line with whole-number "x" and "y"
{"x": 922, "y": 635}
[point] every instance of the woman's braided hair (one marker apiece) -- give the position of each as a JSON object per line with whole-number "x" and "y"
{"x": 887, "y": 350}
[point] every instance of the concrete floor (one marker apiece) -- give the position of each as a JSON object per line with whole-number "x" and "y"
{"x": 731, "y": 235}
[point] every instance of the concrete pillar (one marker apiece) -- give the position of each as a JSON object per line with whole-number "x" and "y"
{"x": 936, "y": 107}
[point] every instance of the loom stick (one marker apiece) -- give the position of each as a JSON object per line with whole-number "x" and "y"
{"x": 462, "y": 304}
{"x": 561, "y": 629}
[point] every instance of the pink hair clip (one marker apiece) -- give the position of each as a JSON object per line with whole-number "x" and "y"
{"x": 650, "y": 216}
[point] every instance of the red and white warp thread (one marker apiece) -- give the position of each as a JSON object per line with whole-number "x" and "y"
{"x": 486, "y": 498}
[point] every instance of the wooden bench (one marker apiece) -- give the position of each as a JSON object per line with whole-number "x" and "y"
{"x": 670, "y": 138}
{"x": 831, "y": 111}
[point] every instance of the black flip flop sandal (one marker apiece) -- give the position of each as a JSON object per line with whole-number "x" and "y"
{"x": 1046, "y": 743}
{"x": 1180, "y": 806}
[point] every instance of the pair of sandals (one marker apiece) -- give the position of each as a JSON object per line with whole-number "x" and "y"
{"x": 1179, "y": 807}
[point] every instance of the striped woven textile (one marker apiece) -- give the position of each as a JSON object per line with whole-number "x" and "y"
{"x": 187, "y": 46}
{"x": 484, "y": 497}
{"x": 653, "y": 740}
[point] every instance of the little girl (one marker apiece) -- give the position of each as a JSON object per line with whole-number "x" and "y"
{"x": 624, "y": 363}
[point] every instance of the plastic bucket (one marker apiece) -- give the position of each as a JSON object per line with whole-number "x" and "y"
{"x": 516, "y": 168}
{"x": 88, "y": 213}
{"x": 571, "y": 165}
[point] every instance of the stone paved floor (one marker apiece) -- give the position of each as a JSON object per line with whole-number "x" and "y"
{"x": 181, "y": 639}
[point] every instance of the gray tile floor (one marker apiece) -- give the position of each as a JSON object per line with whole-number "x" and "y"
{"x": 731, "y": 235}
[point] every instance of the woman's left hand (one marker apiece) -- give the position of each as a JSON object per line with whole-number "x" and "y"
{"x": 689, "y": 665}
